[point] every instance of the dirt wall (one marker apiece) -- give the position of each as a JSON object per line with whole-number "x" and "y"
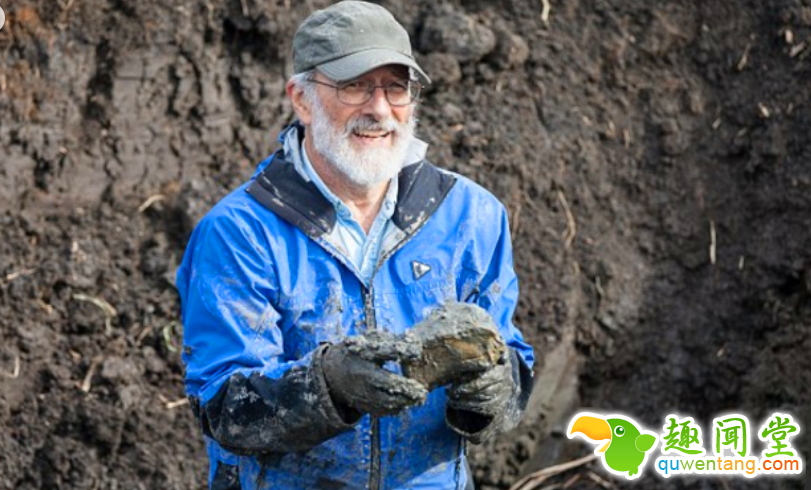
{"x": 653, "y": 157}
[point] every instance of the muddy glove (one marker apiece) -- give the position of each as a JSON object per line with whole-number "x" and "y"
{"x": 358, "y": 382}
{"x": 477, "y": 407}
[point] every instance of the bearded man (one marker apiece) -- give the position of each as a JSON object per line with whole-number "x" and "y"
{"x": 300, "y": 289}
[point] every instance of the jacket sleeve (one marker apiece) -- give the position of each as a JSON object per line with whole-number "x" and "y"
{"x": 246, "y": 394}
{"x": 497, "y": 293}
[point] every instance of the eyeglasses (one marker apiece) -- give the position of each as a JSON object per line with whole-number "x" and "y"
{"x": 361, "y": 91}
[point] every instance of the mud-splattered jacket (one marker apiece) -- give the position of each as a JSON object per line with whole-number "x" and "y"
{"x": 263, "y": 289}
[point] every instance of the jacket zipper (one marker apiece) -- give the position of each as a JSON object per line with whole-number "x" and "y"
{"x": 371, "y": 323}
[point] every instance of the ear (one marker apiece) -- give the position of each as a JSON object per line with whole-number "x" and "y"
{"x": 300, "y": 103}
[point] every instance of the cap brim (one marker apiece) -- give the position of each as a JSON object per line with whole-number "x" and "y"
{"x": 356, "y": 64}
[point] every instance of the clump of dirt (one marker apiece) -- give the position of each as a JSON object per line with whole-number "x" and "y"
{"x": 652, "y": 156}
{"x": 455, "y": 341}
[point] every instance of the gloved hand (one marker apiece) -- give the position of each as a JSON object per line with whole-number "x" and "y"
{"x": 473, "y": 404}
{"x": 358, "y": 382}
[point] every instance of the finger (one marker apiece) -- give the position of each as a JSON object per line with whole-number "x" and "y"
{"x": 393, "y": 397}
{"x": 402, "y": 399}
{"x": 484, "y": 408}
{"x": 474, "y": 368}
{"x": 495, "y": 375}
{"x": 478, "y": 385}
{"x": 380, "y": 392}
{"x": 467, "y": 377}
{"x": 395, "y": 385}
{"x": 381, "y": 346}
{"x": 473, "y": 400}
{"x": 486, "y": 393}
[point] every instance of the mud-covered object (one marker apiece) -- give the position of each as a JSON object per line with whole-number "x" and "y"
{"x": 359, "y": 383}
{"x": 263, "y": 289}
{"x": 456, "y": 341}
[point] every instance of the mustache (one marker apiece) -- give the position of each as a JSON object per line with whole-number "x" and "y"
{"x": 369, "y": 123}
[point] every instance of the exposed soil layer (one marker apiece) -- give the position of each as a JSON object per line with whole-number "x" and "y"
{"x": 654, "y": 158}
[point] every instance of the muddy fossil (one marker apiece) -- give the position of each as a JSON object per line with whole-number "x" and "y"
{"x": 456, "y": 341}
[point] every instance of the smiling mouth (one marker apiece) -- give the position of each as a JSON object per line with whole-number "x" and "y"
{"x": 371, "y": 134}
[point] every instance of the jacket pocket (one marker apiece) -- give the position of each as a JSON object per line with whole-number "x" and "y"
{"x": 226, "y": 477}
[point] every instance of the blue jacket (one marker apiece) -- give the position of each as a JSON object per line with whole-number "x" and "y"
{"x": 263, "y": 290}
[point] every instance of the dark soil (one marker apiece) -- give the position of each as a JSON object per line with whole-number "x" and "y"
{"x": 654, "y": 157}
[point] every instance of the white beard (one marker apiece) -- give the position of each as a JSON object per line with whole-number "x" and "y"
{"x": 367, "y": 168}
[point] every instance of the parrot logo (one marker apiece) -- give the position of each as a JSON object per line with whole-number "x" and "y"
{"x": 627, "y": 448}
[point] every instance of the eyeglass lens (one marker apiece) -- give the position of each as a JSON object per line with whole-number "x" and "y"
{"x": 397, "y": 93}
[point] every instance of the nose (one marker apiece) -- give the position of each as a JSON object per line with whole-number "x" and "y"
{"x": 378, "y": 106}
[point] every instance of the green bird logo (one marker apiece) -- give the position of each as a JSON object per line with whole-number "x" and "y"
{"x": 627, "y": 448}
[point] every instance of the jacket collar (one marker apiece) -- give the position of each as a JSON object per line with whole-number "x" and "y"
{"x": 281, "y": 188}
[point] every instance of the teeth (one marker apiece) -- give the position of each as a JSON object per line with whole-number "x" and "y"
{"x": 365, "y": 134}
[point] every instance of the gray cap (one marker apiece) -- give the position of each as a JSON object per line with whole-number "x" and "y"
{"x": 350, "y": 38}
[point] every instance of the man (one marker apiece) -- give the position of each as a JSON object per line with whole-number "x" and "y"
{"x": 346, "y": 237}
